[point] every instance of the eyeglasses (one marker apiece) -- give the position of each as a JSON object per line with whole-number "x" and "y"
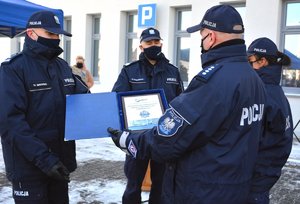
{"x": 251, "y": 62}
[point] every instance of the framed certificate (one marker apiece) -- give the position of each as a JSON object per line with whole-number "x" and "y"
{"x": 140, "y": 110}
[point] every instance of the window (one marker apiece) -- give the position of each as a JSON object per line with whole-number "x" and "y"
{"x": 291, "y": 42}
{"x": 132, "y": 40}
{"x": 67, "y": 40}
{"x": 95, "y": 46}
{"x": 182, "y": 42}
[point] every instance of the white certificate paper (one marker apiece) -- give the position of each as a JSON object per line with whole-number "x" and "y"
{"x": 142, "y": 111}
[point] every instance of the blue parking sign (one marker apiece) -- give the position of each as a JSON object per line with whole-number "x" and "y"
{"x": 147, "y": 15}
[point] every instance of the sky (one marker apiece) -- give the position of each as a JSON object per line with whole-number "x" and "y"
{"x": 102, "y": 190}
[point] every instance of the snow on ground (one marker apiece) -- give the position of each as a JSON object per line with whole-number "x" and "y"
{"x": 295, "y": 154}
{"x": 96, "y": 190}
{"x": 98, "y": 148}
{"x": 109, "y": 191}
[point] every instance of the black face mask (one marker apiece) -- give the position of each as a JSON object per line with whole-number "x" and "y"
{"x": 79, "y": 65}
{"x": 153, "y": 52}
{"x": 260, "y": 71}
{"x": 202, "y": 48}
{"x": 51, "y": 43}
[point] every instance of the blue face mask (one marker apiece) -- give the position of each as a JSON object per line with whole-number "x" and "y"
{"x": 153, "y": 52}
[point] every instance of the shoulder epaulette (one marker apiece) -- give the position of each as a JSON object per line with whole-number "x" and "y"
{"x": 172, "y": 65}
{"x": 12, "y": 58}
{"x": 131, "y": 63}
{"x": 209, "y": 71}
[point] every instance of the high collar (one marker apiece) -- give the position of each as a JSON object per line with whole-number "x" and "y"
{"x": 34, "y": 48}
{"x": 225, "y": 51}
{"x": 145, "y": 60}
{"x": 157, "y": 67}
{"x": 270, "y": 74}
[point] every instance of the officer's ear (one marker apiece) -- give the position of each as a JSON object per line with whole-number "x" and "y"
{"x": 30, "y": 33}
{"x": 213, "y": 38}
{"x": 263, "y": 62}
{"x": 141, "y": 48}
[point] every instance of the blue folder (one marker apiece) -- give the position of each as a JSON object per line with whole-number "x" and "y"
{"x": 89, "y": 115}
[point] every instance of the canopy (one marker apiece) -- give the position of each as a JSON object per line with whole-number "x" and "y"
{"x": 14, "y": 15}
{"x": 295, "y": 61}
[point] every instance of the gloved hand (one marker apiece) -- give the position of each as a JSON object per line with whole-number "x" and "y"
{"x": 59, "y": 172}
{"x": 119, "y": 138}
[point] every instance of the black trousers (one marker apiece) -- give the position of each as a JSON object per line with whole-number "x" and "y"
{"x": 42, "y": 191}
{"x": 135, "y": 171}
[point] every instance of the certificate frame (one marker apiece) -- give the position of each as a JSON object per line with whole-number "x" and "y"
{"x": 140, "y": 110}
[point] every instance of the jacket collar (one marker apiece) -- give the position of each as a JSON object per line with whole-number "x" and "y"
{"x": 34, "y": 48}
{"x": 270, "y": 74}
{"x": 158, "y": 67}
{"x": 233, "y": 50}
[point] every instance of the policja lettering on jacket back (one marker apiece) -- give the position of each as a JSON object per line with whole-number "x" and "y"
{"x": 252, "y": 114}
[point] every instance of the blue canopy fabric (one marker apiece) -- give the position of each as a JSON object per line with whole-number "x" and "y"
{"x": 14, "y": 15}
{"x": 295, "y": 61}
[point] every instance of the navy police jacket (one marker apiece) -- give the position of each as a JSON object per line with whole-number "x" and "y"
{"x": 209, "y": 137}
{"x": 34, "y": 85}
{"x": 276, "y": 142}
{"x": 141, "y": 75}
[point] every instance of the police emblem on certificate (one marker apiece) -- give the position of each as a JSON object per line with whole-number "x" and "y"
{"x": 141, "y": 110}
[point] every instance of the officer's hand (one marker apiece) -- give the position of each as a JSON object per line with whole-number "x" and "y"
{"x": 59, "y": 172}
{"x": 119, "y": 138}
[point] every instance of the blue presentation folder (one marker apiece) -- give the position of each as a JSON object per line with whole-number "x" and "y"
{"x": 89, "y": 115}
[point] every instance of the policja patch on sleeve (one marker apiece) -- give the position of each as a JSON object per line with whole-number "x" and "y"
{"x": 132, "y": 149}
{"x": 169, "y": 123}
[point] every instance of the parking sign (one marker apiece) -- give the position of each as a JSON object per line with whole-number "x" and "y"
{"x": 147, "y": 15}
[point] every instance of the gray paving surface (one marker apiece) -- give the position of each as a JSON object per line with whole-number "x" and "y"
{"x": 285, "y": 191}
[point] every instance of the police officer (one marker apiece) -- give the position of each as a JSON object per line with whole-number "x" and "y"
{"x": 209, "y": 137}
{"x": 151, "y": 71}
{"x": 276, "y": 142}
{"x": 34, "y": 85}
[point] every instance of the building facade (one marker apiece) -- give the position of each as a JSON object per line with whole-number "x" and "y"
{"x": 107, "y": 33}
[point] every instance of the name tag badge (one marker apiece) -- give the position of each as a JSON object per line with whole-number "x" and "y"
{"x": 39, "y": 86}
{"x": 171, "y": 80}
{"x": 137, "y": 80}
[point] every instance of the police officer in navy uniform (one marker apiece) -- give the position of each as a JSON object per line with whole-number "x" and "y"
{"x": 34, "y": 85}
{"x": 276, "y": 142}
{"x": 151, "y": 71}
{"x": 210, "y": 134}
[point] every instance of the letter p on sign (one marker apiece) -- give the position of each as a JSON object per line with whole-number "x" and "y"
{"x": 147, "y": 15}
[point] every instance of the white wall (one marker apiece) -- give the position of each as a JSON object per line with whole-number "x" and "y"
{"x": 5, "y": 48}
{"x": 262, "y": 18}
{"x": 294, "y": 103}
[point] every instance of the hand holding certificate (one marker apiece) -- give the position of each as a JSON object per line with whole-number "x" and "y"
{"x": 89, "y": 115}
